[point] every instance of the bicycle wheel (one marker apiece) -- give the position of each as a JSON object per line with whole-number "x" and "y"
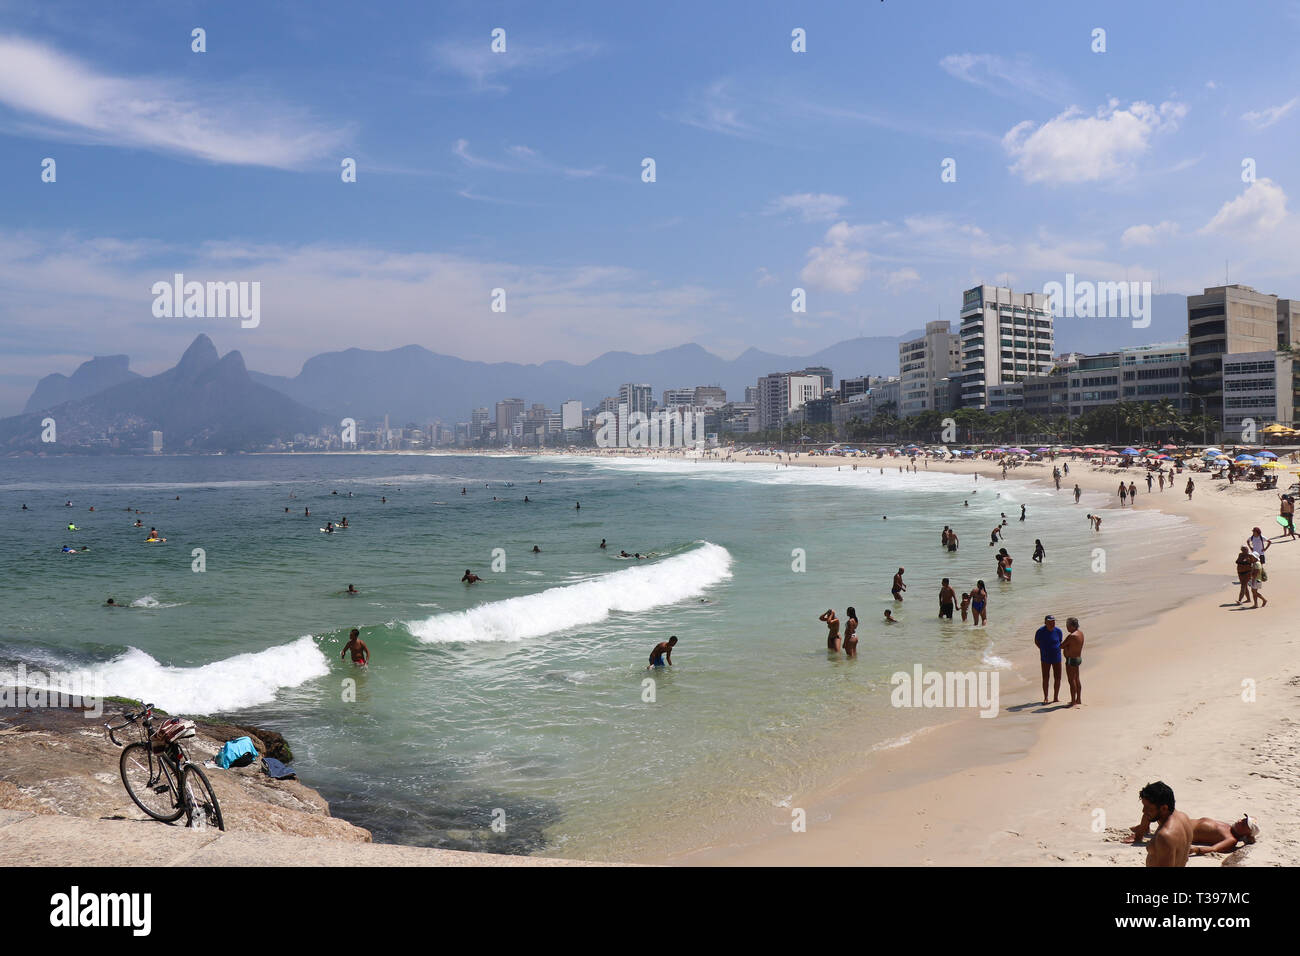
{"x": 151, "y": 783}
{"x": 201, "y": 807}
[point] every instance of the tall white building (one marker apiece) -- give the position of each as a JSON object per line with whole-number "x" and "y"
{"x": 923, "y": 363}
{"x": 781, "y": 393}
{"x": 571, "y": 414}
{"x": 678, "y": 396}
{"x": 1006, "y": 336}
{"x": 637, "y": 398}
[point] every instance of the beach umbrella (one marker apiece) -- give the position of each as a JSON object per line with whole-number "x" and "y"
{"x": 1075, "y": 451}
{"x": 1266, "y": 454}
{"x": 1245, "y": 458}
{"x": 1163, "y": 458}
{"x": 1274, "y": 464}
{"x": 1169, "y": 447}
{"x": 1213, "y": 451}
{"x": 1129, "y": 451}
{"x": 1042, "y": 449}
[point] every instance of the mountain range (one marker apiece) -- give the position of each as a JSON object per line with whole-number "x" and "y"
{"x": 207, "y": 402}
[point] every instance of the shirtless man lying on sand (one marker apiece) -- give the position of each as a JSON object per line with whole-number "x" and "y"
{"x": 1210, "y": 835}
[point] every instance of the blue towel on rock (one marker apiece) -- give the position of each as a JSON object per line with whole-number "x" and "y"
{"x": 277, "y": 770}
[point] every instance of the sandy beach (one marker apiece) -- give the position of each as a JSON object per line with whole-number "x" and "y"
{"x": 1201, "y": 696}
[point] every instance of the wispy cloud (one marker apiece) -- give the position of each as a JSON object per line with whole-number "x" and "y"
{"x": 1004, "y": 76}
{"x": 524, "y": 159}
{"x": 1074, "y": 147}
{"x": 811, "y": 207}
{"x": 1147, "y": 235}
{"x": 716, "y": 109}
{"x": 54, "y": 94}
{"x": 472, "y": 58}
{"x": 1263, "y": 119}
{"x": 839, "y": 264}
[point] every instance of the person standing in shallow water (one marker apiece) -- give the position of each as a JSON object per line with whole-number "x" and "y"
{"x": 851, "y": 632}
{"x": 832, "y": 630}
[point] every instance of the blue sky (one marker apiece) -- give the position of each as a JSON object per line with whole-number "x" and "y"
{"x": 522, "y": 170}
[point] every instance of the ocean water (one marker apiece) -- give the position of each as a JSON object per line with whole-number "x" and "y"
{"x": 514, "y": 715}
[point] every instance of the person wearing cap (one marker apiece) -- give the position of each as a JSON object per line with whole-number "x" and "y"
{"x": 1258, "y": 543}
{"x": 1215, "y": 836}
{"x": 1048, "y": 638}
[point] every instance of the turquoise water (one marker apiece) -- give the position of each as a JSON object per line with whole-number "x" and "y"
{"x": 521, "y": 700}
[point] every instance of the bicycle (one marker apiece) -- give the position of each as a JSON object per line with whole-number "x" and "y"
{"x": 160, "y": 778}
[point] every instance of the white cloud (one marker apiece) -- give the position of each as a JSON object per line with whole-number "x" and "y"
{"x": 1001, "y": 75}
{"x": 69, "y": 99}
{"x": 901, "y": 279}
{"x": 764, "y": 276}
{"x": 836, "y": 265}
{"x": 1263, "y": 119}
{"x": 811, "y": 206}
{"x": 474, "y": 60}
{"x": 1074, "y": 147}
{"x": 1261, "y": 208}
{"x": 1145, "y": 235}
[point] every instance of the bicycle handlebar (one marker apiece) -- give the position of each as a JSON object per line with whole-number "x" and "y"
{"x": 130, "y": 719}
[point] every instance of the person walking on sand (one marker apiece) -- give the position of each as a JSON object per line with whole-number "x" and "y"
{"x": 1132, "y": 492}
{"x": 1149, "y": 480}
{"x": 1245, "y": 563}
{"x": 1022, "y": 512}
{"x": 1123, "y": 494}
{"x": 1072, "y": 648}
{"x": 1286, "y": 509}
{"x": 851, "y": 632}
{"x": 1259, "y": 544}
{"x": 1257, "y": 577}
{"x": 1191, "y": 486}
{"x": 1077, "y": 493}
{"x": 832, "y": 630}
{"x": 979, "y": 602}
{"x": 947, "y": 598}
{"x": 1048, "y": 639}
{"x": 1161, "y": 476}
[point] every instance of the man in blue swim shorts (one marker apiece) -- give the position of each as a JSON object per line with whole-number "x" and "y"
{"x": 1048, "y": 638}
{"x": 663, "y": 649}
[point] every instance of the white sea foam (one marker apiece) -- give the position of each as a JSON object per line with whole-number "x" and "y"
{"x": 244, "y": 680}
{"x": 151, "y": 602}
{"x": 631, "y": 590}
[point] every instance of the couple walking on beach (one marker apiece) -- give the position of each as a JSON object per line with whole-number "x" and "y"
{"x": 1052, "y": 646}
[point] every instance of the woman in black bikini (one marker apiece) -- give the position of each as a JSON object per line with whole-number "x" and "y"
{"x": 832, "y": 630}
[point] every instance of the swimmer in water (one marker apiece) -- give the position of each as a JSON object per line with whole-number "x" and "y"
{"x": 526, "y": 498}
{"x": 536, "y": 550}
{"x": 360, "y": 653}
{"x": 662, "y": 650}
{"x": 889, "y": 617}
{"x": 470, "y": 578}
{"x": 111, "y": 603}
{"x": 602, "y": 544}
{"x": 351, "y": 590}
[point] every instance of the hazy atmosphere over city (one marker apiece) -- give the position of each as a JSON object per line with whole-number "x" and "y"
{"x": 1006, "y": 144}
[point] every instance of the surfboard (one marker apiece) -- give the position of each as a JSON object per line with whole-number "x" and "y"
{"x": 1281, "y": 519}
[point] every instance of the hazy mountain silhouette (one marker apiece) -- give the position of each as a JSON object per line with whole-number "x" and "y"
{"x": 93, "y": 376}
{"x": 204, "y": 403}
{"x": 415, "y": 384}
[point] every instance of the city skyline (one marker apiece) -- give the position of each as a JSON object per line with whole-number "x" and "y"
{"x": 522, "y": 171}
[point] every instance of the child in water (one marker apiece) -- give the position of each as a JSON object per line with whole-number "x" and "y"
{"x": 965, "y": 604}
